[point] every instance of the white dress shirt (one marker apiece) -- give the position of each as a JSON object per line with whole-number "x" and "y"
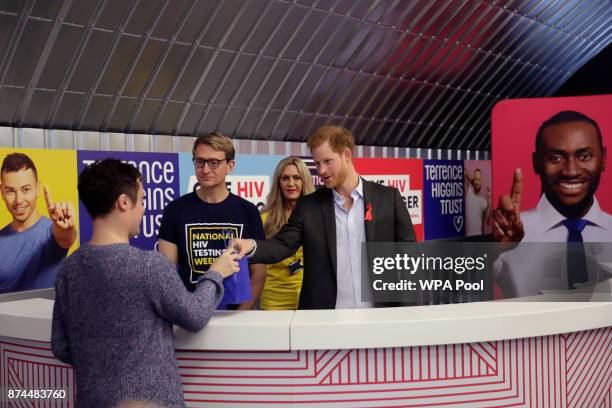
{"x": 350, "y": 233}
{"x": 538, "y": 264}
{"x": 544, "y": 224}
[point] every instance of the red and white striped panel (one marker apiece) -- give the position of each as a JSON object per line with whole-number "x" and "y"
{"x": 573, "y": 370}
{"x": 30, "y": 365}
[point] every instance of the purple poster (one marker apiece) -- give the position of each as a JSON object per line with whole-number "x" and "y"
{"x": 160, "y": 172}
{"x": 443, "y": 191}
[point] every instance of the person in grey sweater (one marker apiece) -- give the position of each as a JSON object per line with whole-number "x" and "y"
{"x": 115, "y": 304}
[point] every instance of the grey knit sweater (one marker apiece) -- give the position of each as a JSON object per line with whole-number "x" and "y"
{"x": 112, "y": 320}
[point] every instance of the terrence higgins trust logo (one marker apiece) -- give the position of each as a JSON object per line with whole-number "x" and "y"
{"x": 206, "y": 242}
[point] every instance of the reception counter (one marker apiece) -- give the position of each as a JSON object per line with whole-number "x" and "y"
{"x": 490, "y": 354}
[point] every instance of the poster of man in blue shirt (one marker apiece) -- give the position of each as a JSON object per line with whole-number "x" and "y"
{"x": 32, "y": 246}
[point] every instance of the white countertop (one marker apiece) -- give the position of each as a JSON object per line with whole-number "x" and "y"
{"x": 443, "y": 324}
{"x": 26, "y": 319}
{"x": 365, "y": 328}
{"x": 246, "y": 330}
{"x": 240, "y": 330}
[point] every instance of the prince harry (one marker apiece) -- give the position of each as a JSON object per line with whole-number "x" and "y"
{"x": 331, "y": 224}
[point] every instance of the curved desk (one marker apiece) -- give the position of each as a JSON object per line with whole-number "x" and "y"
{"x": 493, "y": 354}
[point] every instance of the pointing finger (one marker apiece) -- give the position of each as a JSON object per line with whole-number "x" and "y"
{"x": 517, "y": 189}
{"x": 49, "y": 200}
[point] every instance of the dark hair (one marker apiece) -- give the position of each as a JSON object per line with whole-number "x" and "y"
{"x": 102, "y": 182}
{"x": 18, "y": 161}
{"x": 565, "y": 117}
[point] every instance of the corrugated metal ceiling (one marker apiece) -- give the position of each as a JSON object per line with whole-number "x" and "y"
{"x": 398, "y": 73}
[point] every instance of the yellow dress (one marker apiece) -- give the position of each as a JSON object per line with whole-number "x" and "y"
{"x": 282, "y": 288}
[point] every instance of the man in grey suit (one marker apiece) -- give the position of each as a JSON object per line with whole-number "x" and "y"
{"x": 331, "y": 224}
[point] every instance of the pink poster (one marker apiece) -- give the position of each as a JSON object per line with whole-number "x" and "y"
{"x": 515, "y": 124}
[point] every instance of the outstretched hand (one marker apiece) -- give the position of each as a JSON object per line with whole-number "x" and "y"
{"x": 507, "y": 224}
{"x": 243, "y": 246}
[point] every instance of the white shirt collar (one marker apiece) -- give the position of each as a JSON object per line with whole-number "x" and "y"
{"x": 356, "y": 193}
{"x": 553, "y": 218}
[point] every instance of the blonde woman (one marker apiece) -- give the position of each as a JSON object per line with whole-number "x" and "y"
{"x": 284, "y": 279}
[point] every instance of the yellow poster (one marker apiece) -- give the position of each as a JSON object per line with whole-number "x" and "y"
{"x": 38, "y": 216}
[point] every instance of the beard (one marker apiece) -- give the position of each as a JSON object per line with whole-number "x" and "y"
{"x": 578, "y": 209}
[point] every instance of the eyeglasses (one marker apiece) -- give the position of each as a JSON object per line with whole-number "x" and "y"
{"x": 212, "y": 163}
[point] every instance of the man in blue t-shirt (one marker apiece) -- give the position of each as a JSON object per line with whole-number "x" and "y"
{"x": 32, "y": 247}
{"x": 196, "y": 227}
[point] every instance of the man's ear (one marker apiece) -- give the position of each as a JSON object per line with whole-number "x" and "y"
{"x": 230, "y": 166}
{"x": 123, "y": 202}
{"x": 347, "y": 153}
{"x": 604, "y": 154}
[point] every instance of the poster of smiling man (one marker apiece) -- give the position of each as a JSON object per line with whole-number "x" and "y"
{"x": 549, "y": 160}
{"x": 39, "y": 216}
